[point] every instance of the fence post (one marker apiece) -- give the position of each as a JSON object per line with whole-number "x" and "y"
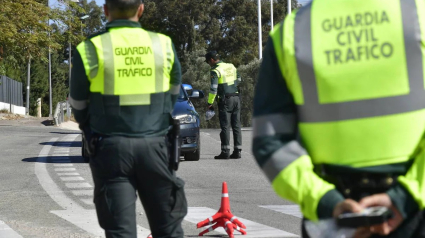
{"x": 60, "y": 112}
{"x": 10, "y": 94}
{"x": 38, "y": 107}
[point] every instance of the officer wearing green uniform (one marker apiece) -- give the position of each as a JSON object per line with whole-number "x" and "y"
{"x": 125, "y": 83}
{"x": 224, "y": 85}
{"x": 339, "y": 111}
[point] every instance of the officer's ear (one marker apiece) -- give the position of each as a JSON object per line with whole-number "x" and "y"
{"x": 140, "y": 10}
{"x": 106, "y": 10}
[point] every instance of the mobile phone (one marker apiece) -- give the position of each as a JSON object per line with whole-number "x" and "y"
{"x": 368, "y": 217}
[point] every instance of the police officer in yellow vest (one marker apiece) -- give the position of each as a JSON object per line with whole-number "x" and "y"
{"x": 224, "y": 85}
{"x": 339, "y": 111}
{"x": 125, "y": 83}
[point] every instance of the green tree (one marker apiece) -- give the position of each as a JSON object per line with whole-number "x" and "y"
{"x": 96, "y": 19}
{"x": 228, "y": 26}
{"x": 197, "y": 75}
{"x": 24, "y": 33}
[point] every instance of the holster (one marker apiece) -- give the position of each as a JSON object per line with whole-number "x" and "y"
{"x": 174, "y": 145}
{"x": 91, "y": 139}
{"x": 92, "y": 145}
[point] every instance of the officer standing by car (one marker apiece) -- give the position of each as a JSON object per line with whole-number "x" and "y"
{"x": 125, "y": 83}
{"x": 224, "y": 86}
{"x": 339, "y": 111}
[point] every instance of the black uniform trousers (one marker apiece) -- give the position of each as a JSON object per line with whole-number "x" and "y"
{"x": 230, "y": 114}
{"x": 124, "y": 165}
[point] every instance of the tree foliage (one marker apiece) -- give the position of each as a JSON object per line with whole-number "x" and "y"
{"x": 228, "y": 26}
{"x": 196, "y": 27}
{"x": 25, "y": 34}
{"x": 197, "y": 74}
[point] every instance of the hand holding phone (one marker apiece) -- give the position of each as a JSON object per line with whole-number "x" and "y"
{"x": 368, "y": 217}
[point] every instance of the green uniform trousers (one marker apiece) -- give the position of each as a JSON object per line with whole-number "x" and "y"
{"x": 124, "y": 165}
{"x": 230, "y": 114}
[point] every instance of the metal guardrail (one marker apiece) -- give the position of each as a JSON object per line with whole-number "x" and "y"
{"x": 61, "y": 107}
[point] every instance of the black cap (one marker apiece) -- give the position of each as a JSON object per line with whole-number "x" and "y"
{"x": 211, "y": 55}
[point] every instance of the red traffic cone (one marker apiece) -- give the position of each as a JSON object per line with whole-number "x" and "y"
{"x": 223, "y": 218}
{"x": 150, "y": 236}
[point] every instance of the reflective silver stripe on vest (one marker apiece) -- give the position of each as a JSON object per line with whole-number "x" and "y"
{"x": 78, "y": 104}
{"x": 281, "y": 158}
{"x": 169, "y": 55}
{"x": 108, "y": 65}
{"x": 175, "y": 89}
{"x": 272, "y": 124}
{"x": 135, "y": 99}
{"x": 159, "y": 61}
{"x": 92, "y": 59}
{"x": 312, "y": 111}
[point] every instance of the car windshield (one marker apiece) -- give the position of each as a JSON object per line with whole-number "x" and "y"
{"x": 182, "y": 95}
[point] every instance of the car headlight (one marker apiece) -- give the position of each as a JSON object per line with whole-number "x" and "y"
{"x": 186, "y": 118}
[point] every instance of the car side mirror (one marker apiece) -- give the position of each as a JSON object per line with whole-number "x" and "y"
{"x": 197, "y": 94}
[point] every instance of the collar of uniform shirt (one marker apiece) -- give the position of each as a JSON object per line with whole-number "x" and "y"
{"x": 122, "y": 23}
{"x": 216, "y": 64}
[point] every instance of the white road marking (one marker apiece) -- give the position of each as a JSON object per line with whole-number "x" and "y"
{"x": 197, "y": 214}
{"x": 293, "y": 210}
{"x": 78, "y": 185}
{"x": 68, "y": 174}
{"x": 6, "y": 231}
{"x": 82, "y": 192}
{"x": 74, "y": 213}
{"x": 87, "y": 201}
{"x": 65, "y": 169}
{"x": 65, "y": 165}
{"x": 72, "y": 178}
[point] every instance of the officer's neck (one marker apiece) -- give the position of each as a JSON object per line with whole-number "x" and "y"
{"x": 135, "y": 19}
{"x": 217, "y": 62}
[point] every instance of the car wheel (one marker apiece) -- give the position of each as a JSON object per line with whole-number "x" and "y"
{"x": 194, "y": 156}
{"x": 84, "y": 152}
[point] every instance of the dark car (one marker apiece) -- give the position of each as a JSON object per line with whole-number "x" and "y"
{"x": 189, "y": 122}
{"x": 185, "y": 112}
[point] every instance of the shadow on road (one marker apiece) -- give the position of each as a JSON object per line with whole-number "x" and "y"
{"x": 48, "y": 123}
{"x": 63, "y": 144}
{"x": 57, "y": 160}
{"x": 65, "y": 133}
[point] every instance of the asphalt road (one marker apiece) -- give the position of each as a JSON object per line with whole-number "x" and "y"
{"x": 46, "y": 188}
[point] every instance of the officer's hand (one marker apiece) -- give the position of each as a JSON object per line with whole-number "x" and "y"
{"x": 349, "y": 205}
{"x": 383, "y": 199}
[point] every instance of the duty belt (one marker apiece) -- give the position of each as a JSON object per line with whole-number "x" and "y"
{"x": 361, "y": 184}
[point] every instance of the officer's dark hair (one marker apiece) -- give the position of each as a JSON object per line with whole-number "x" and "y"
{"x": 123, "y": 8}
{"x": 212, "y": 55}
